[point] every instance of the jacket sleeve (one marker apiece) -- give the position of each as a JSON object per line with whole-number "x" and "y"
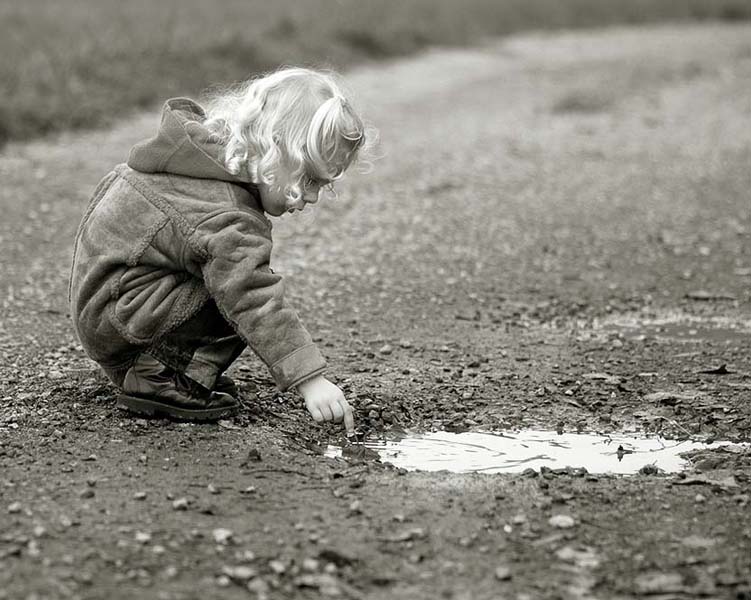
{"x": 234, "y": 251}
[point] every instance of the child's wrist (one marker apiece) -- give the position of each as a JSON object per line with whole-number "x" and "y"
{"x": 307, "y": 384}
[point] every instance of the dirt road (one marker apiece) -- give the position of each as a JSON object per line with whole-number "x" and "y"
{"x": 533, "y": 198}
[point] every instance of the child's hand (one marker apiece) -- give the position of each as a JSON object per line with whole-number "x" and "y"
{"x": 325, "y": 402}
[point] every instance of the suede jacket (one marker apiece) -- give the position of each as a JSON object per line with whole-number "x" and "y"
{"x": 166, "y": 232}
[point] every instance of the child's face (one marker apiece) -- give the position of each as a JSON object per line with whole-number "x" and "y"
{"x": 275, "y": 203}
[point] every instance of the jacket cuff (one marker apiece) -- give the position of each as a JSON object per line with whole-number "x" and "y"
{"x": 298, "y": 366}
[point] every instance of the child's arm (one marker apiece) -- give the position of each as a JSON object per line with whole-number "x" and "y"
{"x": 235, "y": 248}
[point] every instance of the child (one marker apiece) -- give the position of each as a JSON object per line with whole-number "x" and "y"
{"x": 171, "y": 278}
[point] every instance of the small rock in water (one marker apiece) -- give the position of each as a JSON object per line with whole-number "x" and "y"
{"x": 562, "y": 521}
{"x": 649, "y": 469}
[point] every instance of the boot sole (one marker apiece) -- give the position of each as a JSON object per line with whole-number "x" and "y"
{"x": 152, "y": 408}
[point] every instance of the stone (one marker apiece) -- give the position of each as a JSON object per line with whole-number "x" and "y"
{"x": 222, "y": 536}
{"x": 562, "y": 521}
{"x": 240, "y": 573}
{"x": 143, "y": 537}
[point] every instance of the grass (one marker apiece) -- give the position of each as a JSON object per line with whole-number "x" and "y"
{"x": 83, "y": 63}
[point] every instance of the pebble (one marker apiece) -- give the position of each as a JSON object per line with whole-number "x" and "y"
{"x": 502, "y": 573}
{"x": 14, "y": 508}
{"x": 247, "y": 555}
{"x": 180, "y": 504}
{"x": 240, "y": 573}
{"x": 699, "y": 498}
{"x": 310, "y": 564}
{"x": 212, "y": 489}
{"x": 139, "y": 496}
{"x": 259, "y": 586}
{"x": 277, "y": 566}
{"x": 87, "y": 493}
{"x": 170, "y": 572}
{"x": 562, "y": 521}
{"x": 222, "y": 535}
{"x": 143, "y": 537}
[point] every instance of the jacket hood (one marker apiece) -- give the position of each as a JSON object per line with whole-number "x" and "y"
{"x": 183, "y": 146}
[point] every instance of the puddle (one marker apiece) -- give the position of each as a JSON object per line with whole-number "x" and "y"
{"x": 681, "y": 328}
{"x": 515, "y": 451}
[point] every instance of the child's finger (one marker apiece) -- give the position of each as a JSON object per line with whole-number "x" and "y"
{"x": 317, "y": 415}
{"x": 338, "y": 412}
{"x": 349, "y": 420}
{"x": 326, "y": 412}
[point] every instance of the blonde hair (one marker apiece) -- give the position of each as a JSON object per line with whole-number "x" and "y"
{"x": 294, "y": 118}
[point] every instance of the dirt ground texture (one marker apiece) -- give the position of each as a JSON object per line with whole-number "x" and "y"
{"x": 531, "y": 197}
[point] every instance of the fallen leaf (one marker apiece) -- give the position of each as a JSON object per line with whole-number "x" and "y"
{"x": 670, "y": 398}
{"x": 706, "y": 295}
{"x": 727, "y": 483}
{"x": 611, "y": 379}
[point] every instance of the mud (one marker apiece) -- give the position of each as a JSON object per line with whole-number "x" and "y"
{"x": 527, "y": 193}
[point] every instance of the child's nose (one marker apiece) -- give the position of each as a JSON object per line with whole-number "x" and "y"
{"x": 311, "y": 196}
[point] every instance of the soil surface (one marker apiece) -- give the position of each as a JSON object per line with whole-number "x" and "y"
{"x": 556, "y": 233}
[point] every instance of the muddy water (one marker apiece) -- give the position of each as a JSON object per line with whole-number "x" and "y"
{"x": 515, "y": 451}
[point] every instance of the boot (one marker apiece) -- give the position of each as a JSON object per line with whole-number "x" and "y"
{"x": 226, "y": 385}
{"x": 151, "y": 388}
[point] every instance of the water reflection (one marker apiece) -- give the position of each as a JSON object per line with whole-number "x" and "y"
{"x": 504, "y": 452}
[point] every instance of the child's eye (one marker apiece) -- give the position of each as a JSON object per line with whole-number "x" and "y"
{"x": 311, "y": 182}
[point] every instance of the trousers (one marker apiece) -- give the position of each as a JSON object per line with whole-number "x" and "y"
{"x": 202, "y": 348}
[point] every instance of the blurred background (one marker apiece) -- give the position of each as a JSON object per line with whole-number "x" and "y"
{"x": 83, "y": 63}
